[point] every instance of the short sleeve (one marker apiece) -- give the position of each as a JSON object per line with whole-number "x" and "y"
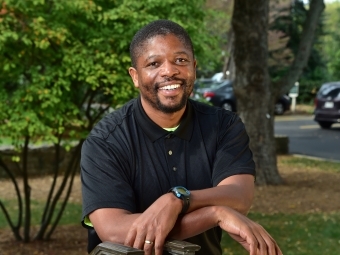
{"x": 104, "y": 176}
{"x": 233, "y": 155}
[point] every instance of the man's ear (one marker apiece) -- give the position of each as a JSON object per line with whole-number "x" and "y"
{"x": 134, "y": 75}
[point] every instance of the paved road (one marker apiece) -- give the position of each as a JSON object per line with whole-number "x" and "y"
{"x": 307, "y": 138}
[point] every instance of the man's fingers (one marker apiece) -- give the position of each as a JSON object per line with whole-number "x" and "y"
{"x": 278, "y": 250}
{"x": 148, "y": 245}
{"x": 253, "y": 246}
{"x": 273, "y": 248}
{"x": 270, "y": 243}
{"x": 151, "y": 228}
{"x": 130, "y": 237}
{"x": 262, "y": 244}
{"x": 258, "y": 240}
{"x": 139, "y": 241}
{"x": 266, "y": 244}
{"x": 159, "y": 244}
{"x": 135, "y": 238}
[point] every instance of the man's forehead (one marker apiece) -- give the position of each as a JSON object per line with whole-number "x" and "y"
{"x": 150, "y": 43}
{"x": 167, "y": 37}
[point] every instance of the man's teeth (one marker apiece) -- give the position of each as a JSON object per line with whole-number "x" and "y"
{"x": 169, "y": 87}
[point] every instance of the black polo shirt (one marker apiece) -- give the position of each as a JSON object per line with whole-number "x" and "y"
{"x": 128, "y": 161}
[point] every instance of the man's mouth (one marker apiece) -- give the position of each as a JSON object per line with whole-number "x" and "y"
{"x": 170, "y": 87}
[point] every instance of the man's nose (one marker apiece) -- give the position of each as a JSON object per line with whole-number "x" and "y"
{"x": 169, "y": 69}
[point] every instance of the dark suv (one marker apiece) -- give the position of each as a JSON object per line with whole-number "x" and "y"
{"x": 327, "y": 104}
{"x": 221, "y": 94}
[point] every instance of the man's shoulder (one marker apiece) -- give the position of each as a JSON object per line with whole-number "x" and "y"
{"x": 215, "y": 120}
{"x": 204, "y": 110}
{"x": 114, "y": 119}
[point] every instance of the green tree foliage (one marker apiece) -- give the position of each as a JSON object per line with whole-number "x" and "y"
{"x": 315, "y": 72}
{"x": 63, "y": 65}
{"x": 331, "y": 42}
{"x": 217, "y": 21}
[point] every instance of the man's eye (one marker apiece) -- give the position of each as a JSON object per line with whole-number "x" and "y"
{"x": 182, "y": 60}
{"x": 153, "y": 64}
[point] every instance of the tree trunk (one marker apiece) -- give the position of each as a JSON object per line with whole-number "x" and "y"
{"x": 27, "y": 192}
{"x": 14, "y": 227}
{"x": 252, "y": 85}
{"x": 255, "y": 94}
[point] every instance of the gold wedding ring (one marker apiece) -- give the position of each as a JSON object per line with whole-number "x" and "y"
{"x": 148, "y": 242}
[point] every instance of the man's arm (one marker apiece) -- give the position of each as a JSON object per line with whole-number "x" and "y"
{"x": 209, "y": 208}
{"x": 154, "y": 224}
{"x": 112, "y": 224}
{"x": 252, "y": 236}
{"x": 236, "y": 191}
{"x": 161, "y": 220}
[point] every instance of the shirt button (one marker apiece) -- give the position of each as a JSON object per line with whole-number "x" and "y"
{"x": 174, "y": 168}
{"x": 170, "y": 153}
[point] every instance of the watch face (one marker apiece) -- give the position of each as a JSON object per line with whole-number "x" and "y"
{"x": 182, "y": 191}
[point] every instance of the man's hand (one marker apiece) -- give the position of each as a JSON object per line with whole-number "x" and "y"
{"x": 253, "y": 237}
{"x": 151, "y": 228}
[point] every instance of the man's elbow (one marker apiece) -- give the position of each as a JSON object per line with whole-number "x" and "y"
{"x": 245, "y": 205}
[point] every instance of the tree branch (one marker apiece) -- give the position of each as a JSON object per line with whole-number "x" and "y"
{"x": 15, "y": 229}
{"x": 306, "y": 43}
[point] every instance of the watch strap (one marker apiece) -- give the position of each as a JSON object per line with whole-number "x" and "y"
{"x": 186, "y": 204}
{"x": 184, "y": 197}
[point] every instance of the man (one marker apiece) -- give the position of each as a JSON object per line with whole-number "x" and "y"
{"x": 164, "y": 166}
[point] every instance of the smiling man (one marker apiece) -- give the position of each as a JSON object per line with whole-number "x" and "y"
{"x": 164, "y": 166}
{"x": 164, "y": 77}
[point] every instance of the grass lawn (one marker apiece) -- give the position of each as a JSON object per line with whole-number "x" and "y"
{"x": 296, "y": 234}
{"x": 306, "y": 164}
{"x": 71, "y": 215}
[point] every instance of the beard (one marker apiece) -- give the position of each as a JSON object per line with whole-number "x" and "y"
{"x": 151, "y": 96}
{"x": 172, "y": 108}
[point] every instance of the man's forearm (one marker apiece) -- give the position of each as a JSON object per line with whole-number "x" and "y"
{"x": 112, "y": 224}
{"x": 194, "y": 223}
{"x": 235, "y": 192}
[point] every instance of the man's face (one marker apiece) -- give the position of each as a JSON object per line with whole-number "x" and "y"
{"x": 165, "y": 73}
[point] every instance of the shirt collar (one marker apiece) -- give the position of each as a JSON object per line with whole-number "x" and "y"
{"x": 154, "y": 132}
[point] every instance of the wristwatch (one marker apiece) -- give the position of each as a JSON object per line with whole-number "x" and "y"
{"x": 183, "y": 194}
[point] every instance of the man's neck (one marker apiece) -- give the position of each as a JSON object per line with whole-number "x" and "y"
{"x": 164, "y": 120}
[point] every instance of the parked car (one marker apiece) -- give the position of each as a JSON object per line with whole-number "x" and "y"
{"x": 221, "y": 94}
{"x": 327, "y": 104}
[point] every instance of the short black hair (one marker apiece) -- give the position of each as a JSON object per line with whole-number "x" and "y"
{"x": 155, "y": 28}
